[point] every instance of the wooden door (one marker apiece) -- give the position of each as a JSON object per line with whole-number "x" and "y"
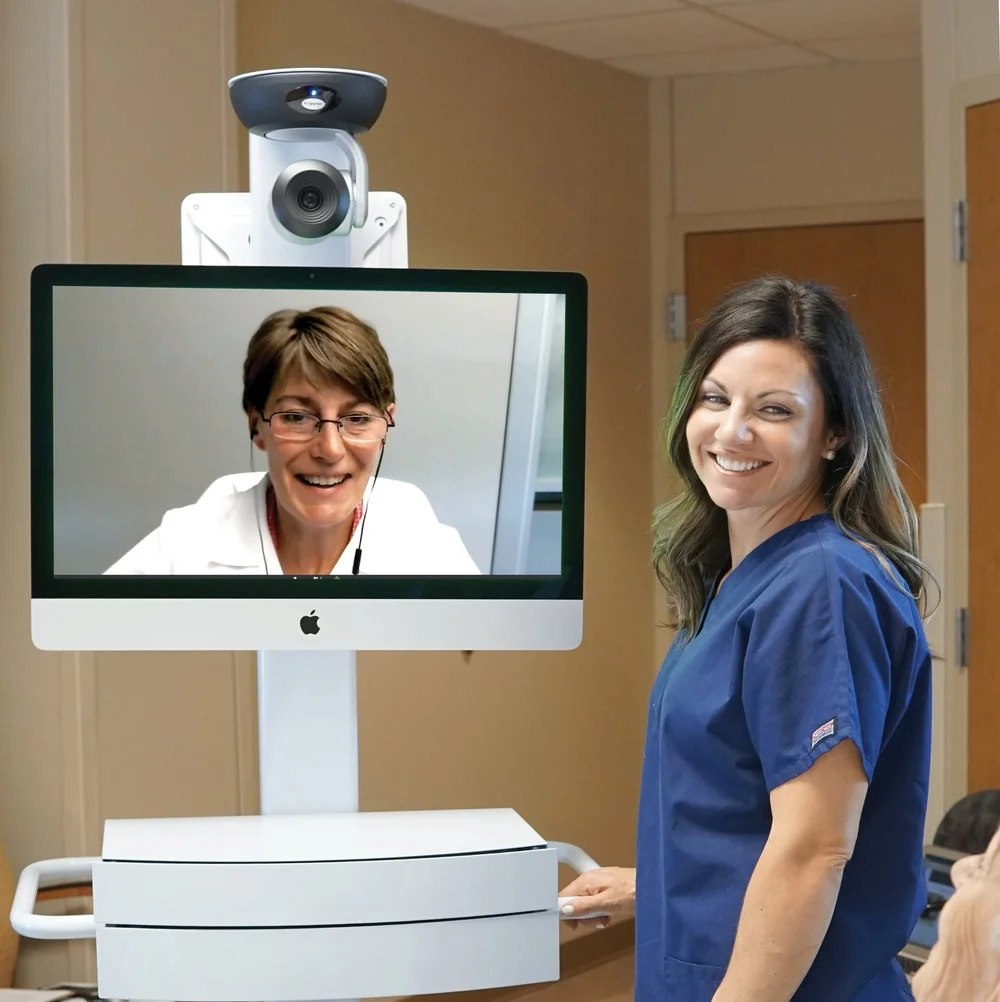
{"x": 877, "y": 268}
{"x": 983, "y": 183}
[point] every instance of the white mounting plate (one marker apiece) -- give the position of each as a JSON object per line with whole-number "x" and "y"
{"x": 215, "y": 230}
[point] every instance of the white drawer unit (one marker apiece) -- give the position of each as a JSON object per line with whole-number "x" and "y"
{"x": 335, "y": 906}
{"x": 326, "y": 962}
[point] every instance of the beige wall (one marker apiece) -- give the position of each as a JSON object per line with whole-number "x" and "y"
{"x": 509, "y": 156}
{"x": 31, "y": 228}
{"x": 842, "y": 134}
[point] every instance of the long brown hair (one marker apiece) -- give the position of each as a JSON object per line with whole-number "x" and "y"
{"x": 861, "y": 486}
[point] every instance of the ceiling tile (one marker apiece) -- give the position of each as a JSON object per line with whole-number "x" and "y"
{"x": 531, "y": 12}
{"x": 681, "y": 64}
{"x": 521, "y": 13}
{"x": 801, "y": 20}
{"x": 644, "y": 34}
{"x": 874, "y": 47}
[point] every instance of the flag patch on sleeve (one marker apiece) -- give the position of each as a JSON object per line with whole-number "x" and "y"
{"x": 827, "y": 730}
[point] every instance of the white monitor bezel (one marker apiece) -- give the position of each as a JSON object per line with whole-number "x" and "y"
{"x": 240, "y": 612}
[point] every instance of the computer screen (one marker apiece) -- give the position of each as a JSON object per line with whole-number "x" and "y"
{"x": 291, "y": 458}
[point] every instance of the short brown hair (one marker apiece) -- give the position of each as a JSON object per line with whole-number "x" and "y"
{"x": 325, "y": 343}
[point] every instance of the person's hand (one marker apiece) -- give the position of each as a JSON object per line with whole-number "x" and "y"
{"x": 610, "y": 889}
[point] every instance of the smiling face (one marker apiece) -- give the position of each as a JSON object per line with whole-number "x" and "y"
{"x": 757, "y": 434}
{"x": 317, "y": 483}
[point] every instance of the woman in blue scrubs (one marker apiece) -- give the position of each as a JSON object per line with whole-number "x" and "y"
{"x": 784, "y": 787}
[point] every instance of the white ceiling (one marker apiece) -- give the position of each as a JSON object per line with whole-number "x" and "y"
{"x": 684, "y": 37}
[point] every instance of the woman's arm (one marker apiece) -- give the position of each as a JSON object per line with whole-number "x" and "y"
{"x": 792, "y": 893}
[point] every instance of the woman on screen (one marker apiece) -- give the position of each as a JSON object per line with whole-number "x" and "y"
{"x": 319, "y": 398}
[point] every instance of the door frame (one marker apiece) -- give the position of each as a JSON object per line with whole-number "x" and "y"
{"x": 948, "y": 452}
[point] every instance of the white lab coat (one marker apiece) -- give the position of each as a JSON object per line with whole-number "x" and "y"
{"x": 225, "y": 532}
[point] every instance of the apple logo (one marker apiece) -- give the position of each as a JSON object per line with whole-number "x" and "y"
{"x": 310, "y": 623}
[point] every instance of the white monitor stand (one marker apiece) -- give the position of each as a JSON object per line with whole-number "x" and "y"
{"x": 308, "y": 720}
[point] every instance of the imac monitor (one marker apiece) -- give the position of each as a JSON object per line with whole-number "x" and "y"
{"x": 306, "y": 459}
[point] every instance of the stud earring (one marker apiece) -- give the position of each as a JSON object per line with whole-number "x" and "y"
{"x": 829, "y": 454}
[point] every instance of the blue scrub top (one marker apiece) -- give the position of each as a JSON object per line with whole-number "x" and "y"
{"x": 808, "y": 642}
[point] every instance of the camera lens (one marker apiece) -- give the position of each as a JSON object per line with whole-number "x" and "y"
{"x": 310, "y": 199}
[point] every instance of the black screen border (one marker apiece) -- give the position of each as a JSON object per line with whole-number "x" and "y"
{"x": 46, "y": 585}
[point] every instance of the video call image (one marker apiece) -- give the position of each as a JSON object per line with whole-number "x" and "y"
{"x": 201, "y": 431}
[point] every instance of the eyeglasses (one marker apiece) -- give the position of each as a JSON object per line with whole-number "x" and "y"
{"x": 301, "y": 426}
